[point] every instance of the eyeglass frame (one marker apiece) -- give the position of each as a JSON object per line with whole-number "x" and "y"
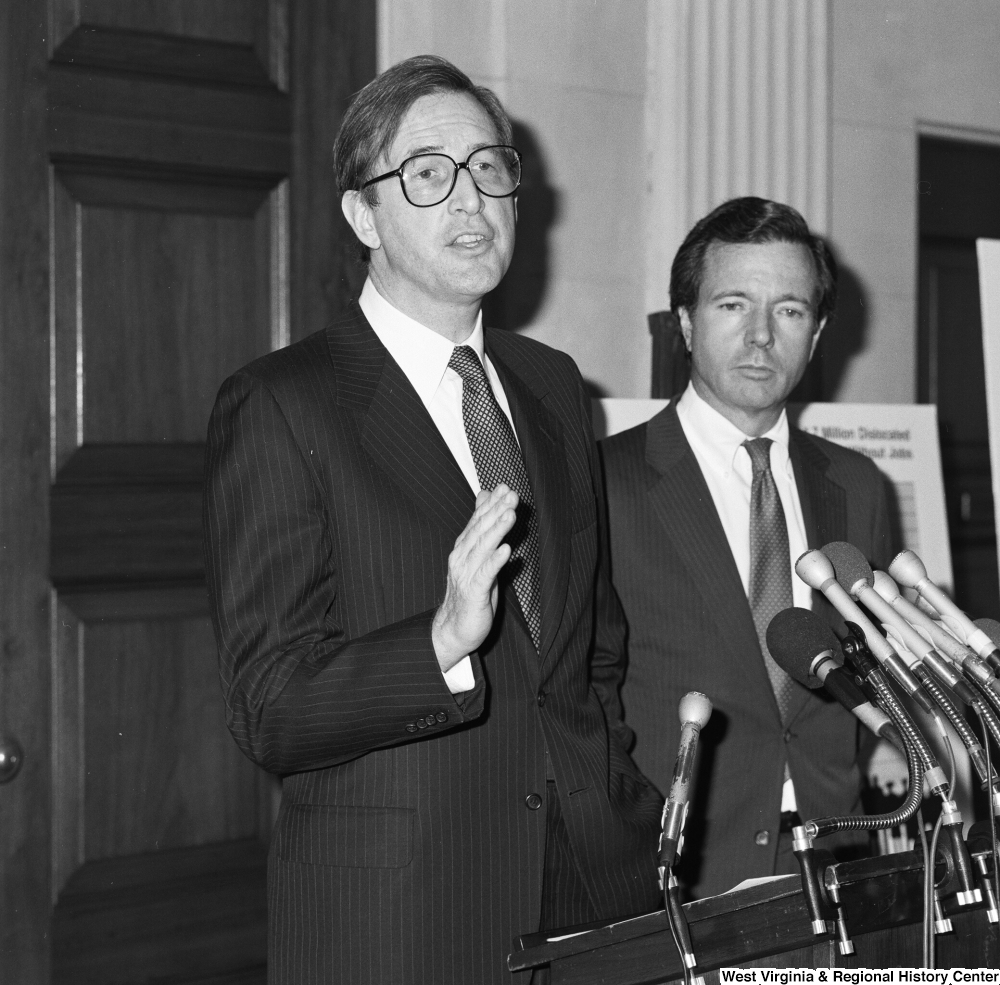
{"x": 398, "y": 173}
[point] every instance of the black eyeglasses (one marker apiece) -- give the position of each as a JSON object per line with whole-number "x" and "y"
{"x": 428, "y": 179}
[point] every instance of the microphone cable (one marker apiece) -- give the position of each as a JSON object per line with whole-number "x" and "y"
{"x": 932, "y": 898}
{"x": 993, "y": 823}
{"x": 927, "y": 896}
{"x": 677, "y": 924}
{"x": 930, "y": 856}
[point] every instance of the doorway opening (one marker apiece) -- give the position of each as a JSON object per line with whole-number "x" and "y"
{"x": 958, "y": 202}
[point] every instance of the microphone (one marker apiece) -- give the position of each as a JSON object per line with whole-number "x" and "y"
{"x": 951, "y": 647}
{"x": 909, "y": 570}
{"x": 816, "y": 570}
{"x": 694, "y": 711}
{"x": 804, "y": 647}
{"x": 855, "y": 575}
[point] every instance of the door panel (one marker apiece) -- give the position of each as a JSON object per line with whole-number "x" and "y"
{"x": 954, "y": 379}
{"x": 160, "y": 768}
{"x": 243, "y": 23}
{"x": 168, "y": 203}
{"x": 172, "y": 303}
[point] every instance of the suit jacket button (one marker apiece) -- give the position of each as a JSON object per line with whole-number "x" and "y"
{"x": 411, "y": 727}
{"x": 533, "y": 801}
{"x": 442, "y": 716}
{"x": 421, "y": 723}
{"x": 541, "y": 699}
{"x": 762, "y": 837}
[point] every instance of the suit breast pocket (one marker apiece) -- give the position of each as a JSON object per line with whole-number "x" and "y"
{"x": 361, "y": 837}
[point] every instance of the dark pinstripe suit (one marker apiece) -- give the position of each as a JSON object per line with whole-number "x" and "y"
{"x": 690, "y": 628}
{"x": 405, "y": 850}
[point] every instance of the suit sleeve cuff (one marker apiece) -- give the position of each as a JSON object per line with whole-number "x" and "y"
{"x": 460, "y": 678}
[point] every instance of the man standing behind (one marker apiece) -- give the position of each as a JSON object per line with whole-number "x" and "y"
{"x": 710, "y": 504}
{"x": 403, "y": 554}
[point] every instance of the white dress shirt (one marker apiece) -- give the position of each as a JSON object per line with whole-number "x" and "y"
{"x": 718, "y": 446}
{"x": 423, "y": 356}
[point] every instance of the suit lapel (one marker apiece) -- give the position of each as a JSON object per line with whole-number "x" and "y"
{"x": 824, "y": 513}
{"x": 540, "y": 437}
{"x": 682, "y": 501}
{"x": 396, "y": 430}
{"x": 824, "y": 503}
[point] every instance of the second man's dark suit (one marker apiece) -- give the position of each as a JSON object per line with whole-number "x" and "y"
{"x": 691, "y": 628}
{"x": 409, "y": 844}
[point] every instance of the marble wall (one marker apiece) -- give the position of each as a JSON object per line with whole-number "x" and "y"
{"x": 640, "y": 115}
{"x": 900, "y": 68}
{"x": 572, "y": 74}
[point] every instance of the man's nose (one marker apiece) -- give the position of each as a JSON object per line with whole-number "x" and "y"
{"x": 760, "y": 330}
{"x": 465, "y": 195}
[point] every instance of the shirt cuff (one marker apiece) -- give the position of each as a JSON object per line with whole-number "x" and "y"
{"x": 460, "y": 678}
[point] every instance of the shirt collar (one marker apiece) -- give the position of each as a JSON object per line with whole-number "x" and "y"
{"x": 719, "y": 439}
{"x": 422, "y": 354}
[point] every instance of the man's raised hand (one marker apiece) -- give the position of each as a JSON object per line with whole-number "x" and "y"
{"x": 470, "y": 601}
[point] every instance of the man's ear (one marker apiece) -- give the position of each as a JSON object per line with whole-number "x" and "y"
{"x": 686, "y": 327}
{"x": 816, "y": 334}
{"x": 359, "y": 216}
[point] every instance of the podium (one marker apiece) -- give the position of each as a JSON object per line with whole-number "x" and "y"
{"x": 768, "y": 925}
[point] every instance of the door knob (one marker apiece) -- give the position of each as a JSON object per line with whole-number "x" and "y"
{"x": 11, "y": 757}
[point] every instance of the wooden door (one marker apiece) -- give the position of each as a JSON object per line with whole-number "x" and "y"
{"x": 166, "y": 215}
{"x": 959, "y": 201}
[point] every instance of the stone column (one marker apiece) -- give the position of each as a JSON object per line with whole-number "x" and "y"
{"x": 737, "y": 103}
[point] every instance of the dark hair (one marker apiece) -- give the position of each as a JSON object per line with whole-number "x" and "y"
{"x": 749, "y": 220}
{"x": 372, "y": 120}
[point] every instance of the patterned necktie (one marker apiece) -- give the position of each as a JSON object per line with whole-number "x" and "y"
{"x": 498, "y": 459}
{"x": 770, "y": 565}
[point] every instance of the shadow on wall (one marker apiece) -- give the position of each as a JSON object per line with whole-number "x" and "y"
{"x": 843, "y": 339}
{"x": 519, "y": 297}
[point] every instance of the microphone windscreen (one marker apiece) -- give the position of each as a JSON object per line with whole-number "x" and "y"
{"x": 991, "y": 628}
{"x": 850, "y": 564}
{"x": 695, "y": 708}
{"x": 795, "y": 638}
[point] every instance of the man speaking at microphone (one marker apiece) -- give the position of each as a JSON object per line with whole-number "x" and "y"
{"x": 710, "y": 504}
{"x": 404, "y": 547}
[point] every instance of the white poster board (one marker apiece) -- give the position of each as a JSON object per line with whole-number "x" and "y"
{"x": 902, "y": 440}
{"x": 988, "y": 252}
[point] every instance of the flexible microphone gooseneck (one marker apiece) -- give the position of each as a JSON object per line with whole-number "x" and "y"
{"x": 804, "y": 646}
{"x": 855, "y": 575}
{"x": 984, "y": 699}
